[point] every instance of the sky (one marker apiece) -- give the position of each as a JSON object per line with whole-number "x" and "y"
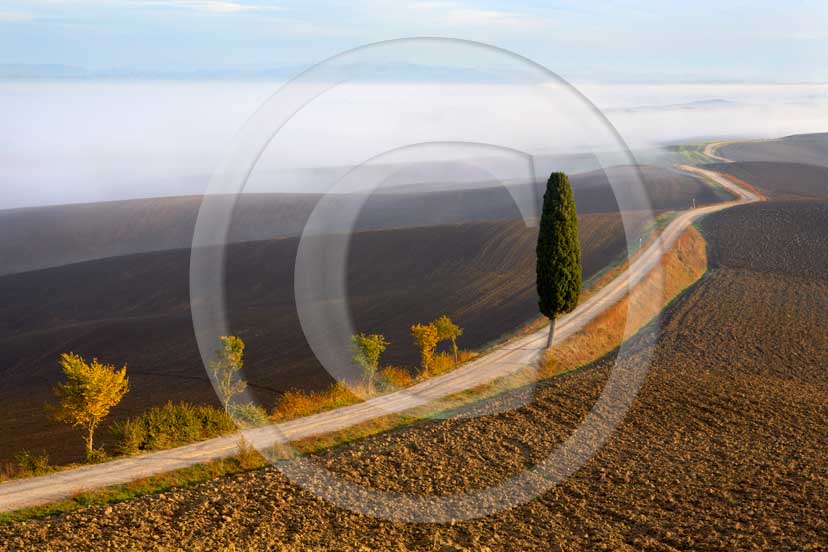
{"x": 608, "y": 41}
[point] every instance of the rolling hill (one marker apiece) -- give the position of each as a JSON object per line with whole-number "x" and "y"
{"x": 805, "y": 149}
{"x": 724, "y": 448}
{"x": 780, "y": 180}
{"x": 134, "y": 309}
{"x": 43, "y": 237}
{"x": 111, "y": 280}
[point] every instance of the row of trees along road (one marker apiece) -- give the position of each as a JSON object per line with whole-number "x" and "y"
{"x": 558, "y": 280}
{"x": 367, "y": 348}
{"x": 92, "y": 389}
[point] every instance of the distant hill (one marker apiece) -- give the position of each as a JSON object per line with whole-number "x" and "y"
{"x": 779, "y": 180}
{"x": 37, "y": 238}
{"x": 697, "y": 105}
{"x": 793, "y": 167}
{"x": 806, "y": 149}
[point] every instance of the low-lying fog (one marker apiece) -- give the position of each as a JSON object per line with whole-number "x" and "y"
{"x": 86, "y": 141}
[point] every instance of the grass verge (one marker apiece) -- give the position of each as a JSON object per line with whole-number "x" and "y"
{"x": 297, "y": 403}
{"x": 245, "y": 460}
{"x": 680, "y": 267}
{"x": 691, "y": 153}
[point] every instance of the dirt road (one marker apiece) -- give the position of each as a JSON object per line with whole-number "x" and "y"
{"x": 711, "y": 149}
{"x": 500, "y": 362}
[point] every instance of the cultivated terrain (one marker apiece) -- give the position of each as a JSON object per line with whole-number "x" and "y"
{"x": 466, "y": 252}
{"x": 724, "y": 447}
{"x": 42, "y": 237}
{"x": 804, "y": 149}
{"x": 135, "y": 310}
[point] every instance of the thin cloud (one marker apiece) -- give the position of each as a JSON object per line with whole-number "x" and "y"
{"x": 15, "y": 17}
{"x": 455, "y": 13}
{"x": 213, "y": 6}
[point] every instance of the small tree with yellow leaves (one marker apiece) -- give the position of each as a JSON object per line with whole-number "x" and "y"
{"x": 224, "y": 370}
{"x": 367, "y": 350}
{"x": 426, "y": 338}
{"x": 450, "y": 331}
{"x": 88, "y": 394}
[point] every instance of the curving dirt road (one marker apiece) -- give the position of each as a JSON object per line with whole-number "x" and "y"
{"x": 500, "y": 362}
{"x": 711, "y": 150}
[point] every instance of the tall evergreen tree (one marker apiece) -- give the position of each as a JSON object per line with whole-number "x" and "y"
{"x": 558, "y": 252}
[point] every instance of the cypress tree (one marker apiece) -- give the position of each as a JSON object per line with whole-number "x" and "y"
{"x": 558, "y": 252}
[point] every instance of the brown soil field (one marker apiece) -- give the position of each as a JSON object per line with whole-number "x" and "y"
{"x": 724, "y": 448}
{"x": 805, "y": 149}
{"x": 135, "y": 310}
{"x": 43, "y": 237}
{"x": 778, "y": 180}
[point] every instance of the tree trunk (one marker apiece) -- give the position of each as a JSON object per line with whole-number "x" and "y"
{"x": 454, "y": 348}
{"x": 90, "y": 431}
{"x": 551, "y": 333}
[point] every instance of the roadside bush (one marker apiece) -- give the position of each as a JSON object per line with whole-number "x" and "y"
{"x": 392, "y": 378}
{"x": 25, "y": 464}
{"x": 444, "y": 362}
{"x": 465, "y": 356}
{"x": 294, "y": 404}
{"x": 30, "y": 463}
{"x": 8, "y": 470}
{"x": 129, "y": 435}
{"x": 248, "y": 457}
{"x": 95, "y": 456}
{"x": 249, "y": 415}
{"x": 171, "y": 425}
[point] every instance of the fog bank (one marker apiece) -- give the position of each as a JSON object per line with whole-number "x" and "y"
{"x": 72, "y": 142}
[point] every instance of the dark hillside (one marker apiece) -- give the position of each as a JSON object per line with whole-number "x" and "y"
{"x": 135, "y": 309}
{"x": 31, "y": 239}
{"x": 780, "y": 180}
{"x": 806, "y": 149}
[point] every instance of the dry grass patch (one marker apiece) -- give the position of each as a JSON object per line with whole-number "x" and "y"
{"x": 26, "y": 464}
{"x": 248, "y": 457}
{"x": 444, "y": 362}
{"x": 297, "y": 403}
{"x": 391, "y": 378}
{"x": 681, "y": 266}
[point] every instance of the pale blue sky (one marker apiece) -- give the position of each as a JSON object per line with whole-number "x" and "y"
{"x": 643, "y": 40}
